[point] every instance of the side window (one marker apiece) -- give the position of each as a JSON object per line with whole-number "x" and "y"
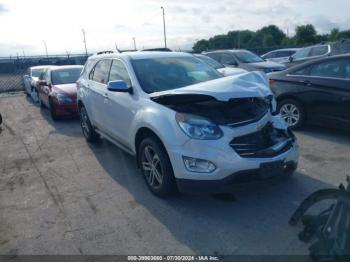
{"x": 302, "y": 71}
{"x": 348, "y": 70}
{"x": 214, "y": 56}
{"x": 319, "y": 50}
{"x": 119, "y": 72}
{"x": 227, "y": 59}
{"x": 335, "y": 69}
{"x": 270, "y": 55}
{"x": 101, "y": 71}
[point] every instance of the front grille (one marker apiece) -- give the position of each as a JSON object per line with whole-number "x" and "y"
{"x": 267, "y": 142}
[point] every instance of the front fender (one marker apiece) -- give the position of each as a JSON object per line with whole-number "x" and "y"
{"x": 160, "y": 120}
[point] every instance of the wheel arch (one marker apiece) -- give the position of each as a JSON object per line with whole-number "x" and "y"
{"x": 142, "y": 133}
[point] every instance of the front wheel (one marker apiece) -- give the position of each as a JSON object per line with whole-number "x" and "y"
{"x": 53, "y": 111}
{"x": 156, "y": 167}
{"x": 292, "y": 113}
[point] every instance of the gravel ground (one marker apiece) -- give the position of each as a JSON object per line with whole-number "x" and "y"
{"x": 60, "y": 195}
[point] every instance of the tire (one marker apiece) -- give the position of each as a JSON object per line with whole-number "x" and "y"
{"x": 53, "y": 111}
{"x": 41, "y": 104}
{"x": 88, "y": 130}
{"x": 292, "y": 112}
{"x": 156, "y": 167}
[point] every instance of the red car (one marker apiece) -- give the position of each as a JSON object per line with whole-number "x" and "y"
{"x": 57, "y": 90}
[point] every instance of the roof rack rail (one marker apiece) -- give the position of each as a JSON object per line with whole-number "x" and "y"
{"x": 107, "y": 52}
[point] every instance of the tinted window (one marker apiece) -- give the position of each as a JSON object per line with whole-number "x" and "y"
{"x": 65, "y": 76}
{"x": 301, "y": 71}
{"x": 335, "y": 68}
{"x": 302, "y": 53}
{"x": 270, "y": 55}
{"x": 319, "y": 50}
{"x": 227, "y": 59}
{"x": 248, "y": 57}
{"x": 284, "y": 53}
{"x": 101, "y": 71}
{"x": 119, "y": 72}
{"x": 214, "y": 56}
{"x": 36, "y": 72}
{"x": 165, "y": 73}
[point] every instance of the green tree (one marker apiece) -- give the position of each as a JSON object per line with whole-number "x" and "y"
{"x": 201, "y": 45}
{"x": 271, "y": 35}
{"x": 305, "y": 34}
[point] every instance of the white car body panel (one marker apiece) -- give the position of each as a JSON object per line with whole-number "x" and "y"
{"x": 121, "y": 115}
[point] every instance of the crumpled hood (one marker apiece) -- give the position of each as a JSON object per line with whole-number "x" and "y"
{"x": 70, "y": 89}
{"x": 250, "y": 84}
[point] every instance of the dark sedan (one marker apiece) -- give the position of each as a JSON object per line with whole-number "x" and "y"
{"x": 317, "y": 91}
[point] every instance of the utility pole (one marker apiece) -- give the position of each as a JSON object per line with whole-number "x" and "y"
{"x": 164, "y": 26}
{"x": 47, "y": 54}
{"x": 86, "y": 53}
{"x": 239, "y": 39}
{"x": 134, "y": 43}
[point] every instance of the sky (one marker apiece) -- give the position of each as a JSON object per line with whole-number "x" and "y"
{"x": 25, "y": 24}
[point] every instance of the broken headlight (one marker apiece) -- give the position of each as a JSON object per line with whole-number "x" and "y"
{"x": 271, "y": 101}
{"x": 197, "y": 127}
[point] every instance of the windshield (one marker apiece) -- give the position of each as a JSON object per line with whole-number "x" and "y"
{"x": 161, "y": 74}
{"x": 36, "y": 72}
{"x": 248, "y": 57}
{"x": 65, "y": 76}
{"x": 210, "y": 61}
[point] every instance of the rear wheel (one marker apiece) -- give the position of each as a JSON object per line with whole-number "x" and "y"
{"x": 292, "y": 113}
{"x": 88, "y": 130}
{"x": 156, "y": 167}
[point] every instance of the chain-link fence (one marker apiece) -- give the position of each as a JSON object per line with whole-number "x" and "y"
{"x": 12, "y": 69}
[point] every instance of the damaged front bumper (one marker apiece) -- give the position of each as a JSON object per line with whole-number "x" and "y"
{"x": 260, "y": 151}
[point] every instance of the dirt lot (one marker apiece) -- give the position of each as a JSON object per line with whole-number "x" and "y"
{"x": 60, "y": 195}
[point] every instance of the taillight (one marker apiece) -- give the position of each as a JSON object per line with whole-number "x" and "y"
{"x": 271, "y": 82}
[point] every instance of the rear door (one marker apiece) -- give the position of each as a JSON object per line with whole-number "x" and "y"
{"x": 330, "y": 81}
{"x": 98, "y": 78}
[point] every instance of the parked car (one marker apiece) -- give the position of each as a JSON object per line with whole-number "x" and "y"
{"x": 319, "y": 51}
{"x": 244, "y": 59}
{"x": 57, "y": 90}
{"x": 30, "y": 79}
{"x": 189, "y": 127}
{"x": 317, "y": 91}
{"x": 280, "y": 55}
{"x": 226, "y": 71}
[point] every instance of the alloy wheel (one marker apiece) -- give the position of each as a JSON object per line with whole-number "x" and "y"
{"x": 290, "y": 113}
{"x": 151, "y": 165}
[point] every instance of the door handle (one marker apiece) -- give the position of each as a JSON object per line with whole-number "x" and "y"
{"x": 306, "y": 82}
{"x": 345, "y": 99}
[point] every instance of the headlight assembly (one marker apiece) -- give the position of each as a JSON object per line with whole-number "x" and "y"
{"x": 197, "y": 127}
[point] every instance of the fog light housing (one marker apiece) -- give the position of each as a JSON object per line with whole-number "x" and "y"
{"x": 198, "y": 165}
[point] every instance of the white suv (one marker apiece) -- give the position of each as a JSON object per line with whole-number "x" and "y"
{"x": 189, "y": 127}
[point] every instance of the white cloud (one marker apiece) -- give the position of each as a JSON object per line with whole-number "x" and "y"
{"x": 108, "y": 22}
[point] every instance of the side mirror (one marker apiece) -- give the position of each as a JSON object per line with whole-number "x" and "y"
{"x": 42, "y": 83}
{"x": 290, "y": 59}
{"x": 119, "y": 86}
